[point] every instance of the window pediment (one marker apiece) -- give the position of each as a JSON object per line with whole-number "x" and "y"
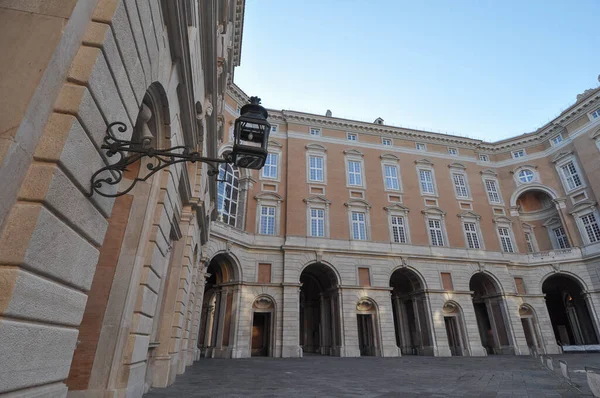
{"x": 457, "y": 165}
{"x": 317, "y": 199}
{"x": 354, "y": 152}
{"x": 469, "y": 214}
{"x": 397, "y": 207}
{"x": 524, "y": 166}
{"x": 269, "y": 196}
{"x": 488, "y": 172}
{"x": 434, "y": 211}
{"x": 275, "y": 144}
{"x": 583, "y": 206}
{"x": 561, "y": 155}
{"x": 316, "y": 147}
{"x": 358, "y": 203}
{"x": 502, "y": 220}
{"x": 552, "y": 221}
{"x": 424, "y": 162}
{"x": 596, "y": 134}
{"x": 389, "y": 156}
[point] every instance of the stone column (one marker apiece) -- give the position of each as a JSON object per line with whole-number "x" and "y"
{"x": 291, "y": 321}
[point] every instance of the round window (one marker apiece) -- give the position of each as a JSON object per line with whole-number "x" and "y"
{"x": 526, "y": 175}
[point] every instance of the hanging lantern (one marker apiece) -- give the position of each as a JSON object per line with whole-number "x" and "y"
{"x": 251, "y": 136}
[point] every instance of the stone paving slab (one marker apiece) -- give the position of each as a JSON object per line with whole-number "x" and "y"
{"x": 315, "y": 376}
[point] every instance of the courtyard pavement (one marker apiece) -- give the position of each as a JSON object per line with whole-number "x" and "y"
{"x": 316, "y": 376}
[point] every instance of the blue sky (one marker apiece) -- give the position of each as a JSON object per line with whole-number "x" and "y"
{"x": 483, "y": 69}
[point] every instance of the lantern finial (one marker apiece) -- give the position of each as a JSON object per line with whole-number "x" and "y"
{"x": 255, "y": 100}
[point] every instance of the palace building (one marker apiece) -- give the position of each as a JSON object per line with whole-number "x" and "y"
{"x": 359, "y": 239}
{"x": 355, "y": 238}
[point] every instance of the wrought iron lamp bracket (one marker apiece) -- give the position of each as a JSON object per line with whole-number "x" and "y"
{"x": 129, "y": 152}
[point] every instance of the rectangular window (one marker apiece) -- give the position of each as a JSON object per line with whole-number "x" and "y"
{"x": 472, "y": 237}
{"x": 435, "y": 232}
{"x": 571, "y": 176}
{"x": 315, "y": 131}
{"x": 364, "y": 278}
{"x": 460, "y": 185}
{"x": 317, "y": 222}
{"x": 453, "y": 151}
{"x": 561, "y": 238}
{"x": 386, "y": 141}
{"x": 270, "y": 168}
{"x": 354, "y": 173}
{"x": 518, "y": 154}
{"x": 398, "y": 229}
{"x": 264, "y": 273}
{"x": 507, "y": 245}
{"x": 492, "y": 191}
{"x": 426, "y": 178}
{"x": 556, "y": 140}
{"x": 484, "y": 158}
{"x": 520, "y": 286}
{"x": 359, "y": 228}
{"x": 391, "y": 177}
{"x": 421, "y": 146}
{"x": 315, "y": 168}
{"x": 447, "y": 281}
{"x": 274, "y": 128}
{"x": 267, "y": 220}
{"x": 591, "y": 227}
{"x": 596, "y": 114}
{"x": 352, "y": 137}
{"x": 529, "y": 241}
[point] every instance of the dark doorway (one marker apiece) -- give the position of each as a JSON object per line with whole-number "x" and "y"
{"x": 568, "y": 311}
{"x": 261, "y": 330}
{"x": 366, "y": 337}
{"x": 409, "y": 306}
{"x": 319, "y": 311}
{"x": 453, "y": 333}
{"x": 489, "y": 312}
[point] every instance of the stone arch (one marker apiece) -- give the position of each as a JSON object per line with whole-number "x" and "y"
{"x": 453, "y": 315}
{"x": 570, "y": 309}
{"x": 532, "y": 187}
{"x": 367, "y": 317}
{"x": 417, "y": 274}
{"x": 530, "y": 324}
{"x": 335, "y": 272}
{"x": 232, "y": 264}
{"x": 320, "y": 318}
{"x": 491, "y": 313}
{"x": 410, "y": 309}
{"x": 496, "y": 281}
{"x": 566, "y": 274}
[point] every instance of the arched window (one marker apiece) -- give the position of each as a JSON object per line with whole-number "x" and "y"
{"x": 228, "y": 194}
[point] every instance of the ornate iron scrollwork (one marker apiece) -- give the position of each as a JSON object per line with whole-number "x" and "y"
{"x": 130, "y": 152}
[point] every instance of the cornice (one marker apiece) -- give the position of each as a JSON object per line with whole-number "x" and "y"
{"x": 540, "y": 135}
{"x": 238, "y": 31}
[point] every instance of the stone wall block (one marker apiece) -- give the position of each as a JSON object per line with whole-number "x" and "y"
{"x": 150, "y": 279}
{"x": 136, "y": 349}
{"x": 105, "y": 93}
{"x": 145, "y": 15}
{"x": 100, "y": 35}
{"x": 39, "y": 299}
{"x": 146, "y": 301}
{"x": 141, "y": 324}
{"x": 37, "y": 238}
{"x": 131, "y": 13}
{"x": 126, "y": 43}
{"x": 47, "y": 183}
{"x": 33, "y": 354}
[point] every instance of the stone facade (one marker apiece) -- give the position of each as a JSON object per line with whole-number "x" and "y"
{"x": 100, "y": 297}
